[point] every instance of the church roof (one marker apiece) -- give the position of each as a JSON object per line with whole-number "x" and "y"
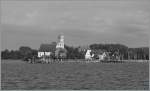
{"x": 47, "y": 48}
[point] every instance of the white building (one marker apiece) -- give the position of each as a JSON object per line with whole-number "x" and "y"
{"x": 45, "y": 50}
{"x": 102, "y": 56}
{"x": 60, "y": 43}
{"x": 41, "y": 54}
{"x": 88, "y": 55}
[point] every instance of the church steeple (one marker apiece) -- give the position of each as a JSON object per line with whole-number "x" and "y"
{"x": 60, "y": 43}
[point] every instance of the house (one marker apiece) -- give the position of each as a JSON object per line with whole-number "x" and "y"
{"x": 46, "y": 50}
{"x": 88, "y": 55}
{"x": 102, "y": 56}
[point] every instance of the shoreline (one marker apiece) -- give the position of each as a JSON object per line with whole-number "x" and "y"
{"x": 77, "y": 61}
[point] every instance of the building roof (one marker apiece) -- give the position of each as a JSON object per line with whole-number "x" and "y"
{"x": 47, "y": 48}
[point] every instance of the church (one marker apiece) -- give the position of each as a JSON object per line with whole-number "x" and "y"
{"x": 60, "y": 52}
{"x": 47, "y": 50}
{"x": 60, "y": 43}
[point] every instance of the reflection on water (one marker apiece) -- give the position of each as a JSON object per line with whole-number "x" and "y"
{"x": 75, "y": 76}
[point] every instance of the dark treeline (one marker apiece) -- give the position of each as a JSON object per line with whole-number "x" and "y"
{"x": 74, "y": 53}
{"x": 19, "y": 54}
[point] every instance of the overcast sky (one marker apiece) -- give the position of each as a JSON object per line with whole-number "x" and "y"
{"x": 30, "y": 23}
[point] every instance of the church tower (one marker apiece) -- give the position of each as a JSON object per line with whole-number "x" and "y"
{"x": 60, "y": 43}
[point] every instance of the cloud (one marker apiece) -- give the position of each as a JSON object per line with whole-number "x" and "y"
{"x": 82, "y": 22}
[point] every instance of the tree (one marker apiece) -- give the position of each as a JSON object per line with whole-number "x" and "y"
{"x": 25, "y": 51}
{"x": 61, "y": 53}
{"x": 5, "y": 54}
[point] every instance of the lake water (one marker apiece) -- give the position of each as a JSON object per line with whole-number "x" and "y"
{"x": 17, "y": 75}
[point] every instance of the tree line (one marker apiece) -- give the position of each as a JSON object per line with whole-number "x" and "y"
{"x": 125, "y": 53}
{"x": 23, "y": 51}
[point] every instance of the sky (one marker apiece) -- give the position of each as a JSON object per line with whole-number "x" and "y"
{"x": 83, "y": 22}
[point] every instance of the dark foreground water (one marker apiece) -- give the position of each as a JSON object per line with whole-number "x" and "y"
{"x": 95, "y": 76}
